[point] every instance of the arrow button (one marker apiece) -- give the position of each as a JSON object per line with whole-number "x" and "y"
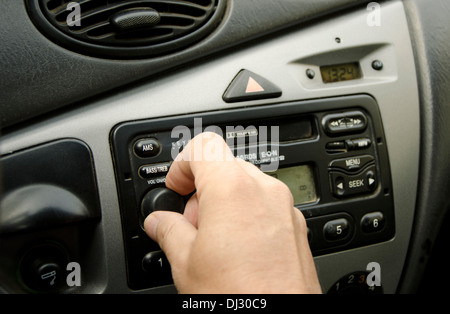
{"x": 371, "y": 180}
{"x": 345, "y": 184}
{"x": 340, "y": 185}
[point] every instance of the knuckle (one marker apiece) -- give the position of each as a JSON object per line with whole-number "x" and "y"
{"x": 281, "y": 189}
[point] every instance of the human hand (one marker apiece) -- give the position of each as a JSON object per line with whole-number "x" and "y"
{"x": 239, "y": 233}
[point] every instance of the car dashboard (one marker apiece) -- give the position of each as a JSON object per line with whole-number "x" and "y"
{"x": 344, "y": 101}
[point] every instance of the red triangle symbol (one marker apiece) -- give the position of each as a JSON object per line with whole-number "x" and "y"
{"x": 253, "y": 86}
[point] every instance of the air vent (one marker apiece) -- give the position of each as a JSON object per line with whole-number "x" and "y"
{"x": 126, "y": 28}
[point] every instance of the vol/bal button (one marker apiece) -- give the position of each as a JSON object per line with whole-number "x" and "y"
{"x": 162, "y": 199}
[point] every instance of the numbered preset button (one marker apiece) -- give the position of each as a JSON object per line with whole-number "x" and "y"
{"x": 155, "y": 262}
{"x": 336, "y": 229}
{"x": 372, "y": 222}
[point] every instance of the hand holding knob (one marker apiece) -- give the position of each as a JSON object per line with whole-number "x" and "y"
{"x": 162, "y": 199}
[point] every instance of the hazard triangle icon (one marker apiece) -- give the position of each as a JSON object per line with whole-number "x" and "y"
{"x": 250, "y": 86}
{"x": 253, "y": 86}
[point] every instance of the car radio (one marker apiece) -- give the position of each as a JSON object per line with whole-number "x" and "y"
{"x": 330, "y": 152}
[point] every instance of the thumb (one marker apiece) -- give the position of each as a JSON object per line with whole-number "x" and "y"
{"x": 174, "y": 234}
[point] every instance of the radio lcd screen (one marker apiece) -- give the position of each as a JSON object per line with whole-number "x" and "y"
{"x": 300, "y": 180}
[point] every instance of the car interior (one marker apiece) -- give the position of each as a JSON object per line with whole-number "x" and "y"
{"x": 345, "y": 101}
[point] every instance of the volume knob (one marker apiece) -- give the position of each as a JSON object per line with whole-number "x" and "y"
{"x": 162, "y": 199}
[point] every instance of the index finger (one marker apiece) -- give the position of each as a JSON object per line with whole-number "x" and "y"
{"x": 206, "y": 159}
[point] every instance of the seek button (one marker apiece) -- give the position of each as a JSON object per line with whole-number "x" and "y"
{"x": 344, "y": 185}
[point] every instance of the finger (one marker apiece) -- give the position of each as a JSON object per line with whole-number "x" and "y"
{"x": 174, "y": 234}
{"x": 300, "y": 224}
{"x": 308, "y": 268}
{"x": 254, "y": 171}
{"x": 249, "y": 168}
{"x": 191, "y": 210}
{"x": 198, "y": 164}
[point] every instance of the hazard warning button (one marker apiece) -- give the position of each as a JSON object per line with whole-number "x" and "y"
{"x": 250, "y": 86}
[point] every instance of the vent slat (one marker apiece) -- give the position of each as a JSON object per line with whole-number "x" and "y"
{"x": 174, "y": 20}
{"x": 101, "y": 30}
{"x": 100, "y": 11}
{"x": 59, "y": 6}
{"x": 63, "y": 6}
{"x": 90, "y": 7}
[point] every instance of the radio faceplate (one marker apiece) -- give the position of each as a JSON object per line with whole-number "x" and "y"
{"x": 330, "y": 152}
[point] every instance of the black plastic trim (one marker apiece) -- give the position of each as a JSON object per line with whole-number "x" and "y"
{"x": 132, "y": 187}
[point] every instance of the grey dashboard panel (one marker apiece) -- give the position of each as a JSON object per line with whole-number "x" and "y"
{"x": 39, "y": 76}
{"x": 200, "y": 88}
{"x": 429, "y": 239}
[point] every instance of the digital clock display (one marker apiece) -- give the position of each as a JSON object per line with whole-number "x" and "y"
{"x": 340, "y": 72}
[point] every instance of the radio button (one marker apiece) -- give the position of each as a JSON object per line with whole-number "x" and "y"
{"x": 336, "y": 229}
{"x": 155, "y": 262}
{"x": 336, "y": 147}
{"x": 339, "y": 185}
{"x": 150, "y": 171}
{"x": 347, "y": 185}
{"x": 359, "y": 143}
{"x": 371, "y": 180}
{"x": 336, "y": 124}
{"x": 352, "y": 164}
{"x": 356, "y": 121}
{"x": 353, "y": 121}
{"x": 162, "y": 199}
{"x": 156, "y": 265}
{"x": 372, "y": 222}
{"x": 148, "y": 147}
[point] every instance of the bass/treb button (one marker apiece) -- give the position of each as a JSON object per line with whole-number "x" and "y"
{"x": 150, "y": 171}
